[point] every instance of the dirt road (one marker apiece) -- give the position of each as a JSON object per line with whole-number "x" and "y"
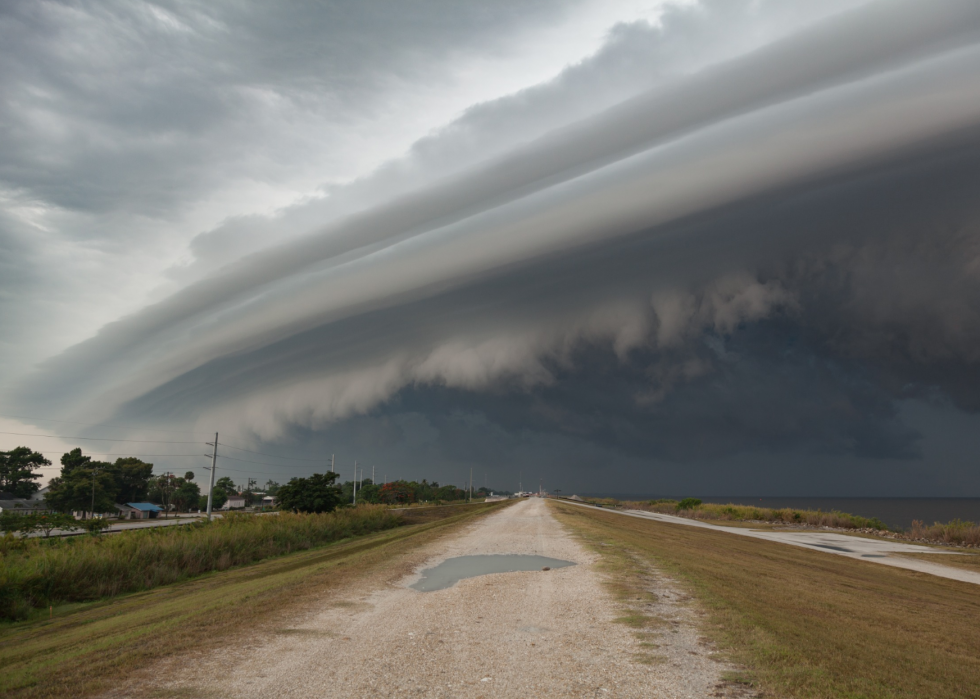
{"x": 526, "y": 634}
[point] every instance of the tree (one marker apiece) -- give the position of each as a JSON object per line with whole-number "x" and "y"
{"x": 369, "y": 492}
{"x": 35, "y": 521}
{"x": 397, "y": 492}
{"x": 164, "y": 489}
{"x": 225, "y": 483}
{"x": 83, "y": 482}
{"x": 218, "y": 498}
{"x": 314, "y": 494}
{"x": 17, "y": 471}
{"x": 132, "y": 479}
{"x": 186, "y": 495}
{"x": 271, "y": 487}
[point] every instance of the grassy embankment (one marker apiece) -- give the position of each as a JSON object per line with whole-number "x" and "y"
{"x": 36, "y": 573}
{"x": 88, "y": 648}
{"x": 805, "y": 624}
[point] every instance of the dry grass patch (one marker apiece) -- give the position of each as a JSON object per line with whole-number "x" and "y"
{"x": 811, "y": 624}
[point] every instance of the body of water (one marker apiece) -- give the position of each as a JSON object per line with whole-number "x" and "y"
{"x": 895, "y": 512}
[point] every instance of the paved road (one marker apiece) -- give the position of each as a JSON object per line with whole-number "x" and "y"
{"x": 871, "y": 550}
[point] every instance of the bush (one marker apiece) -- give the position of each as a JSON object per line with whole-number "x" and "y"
{"x": 688, "y": 504}
{"x": 36, "y": 573}
{"x": 956, "y": 532}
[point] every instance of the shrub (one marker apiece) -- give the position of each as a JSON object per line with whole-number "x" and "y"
{"x": 36, "y": 572}
{"x": 688, "y": 504}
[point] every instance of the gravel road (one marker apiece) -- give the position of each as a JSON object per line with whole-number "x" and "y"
{"x": 526, "y": 634}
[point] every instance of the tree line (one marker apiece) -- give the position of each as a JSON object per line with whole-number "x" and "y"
{"x": 88, "y": 485}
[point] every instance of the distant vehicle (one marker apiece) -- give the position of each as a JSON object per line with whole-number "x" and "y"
{"x": 598, "y": 505}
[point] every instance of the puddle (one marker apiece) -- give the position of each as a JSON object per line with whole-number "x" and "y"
{"x": 452, "y": 570}
{"x": 833, "y": 548}
{"x": 873, "y": 555}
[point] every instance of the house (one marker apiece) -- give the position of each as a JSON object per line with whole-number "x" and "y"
{"x": 269, "y": 501}
{"x": 39, "y": 494}
{"x": 234, "y": 502}
{"x": 138, "y": 510}
{"x": 11, "y": 503}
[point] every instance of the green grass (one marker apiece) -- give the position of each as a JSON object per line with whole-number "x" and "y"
{"x": 807, "y": 624}
{"x": 89, "y": 648}
{"x": 37, "y": 573}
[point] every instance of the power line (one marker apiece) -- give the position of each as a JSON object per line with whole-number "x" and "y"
{"x": 100, "y": 439}
{"x": 274, "y": 456}
{"x": 262, "y": 463}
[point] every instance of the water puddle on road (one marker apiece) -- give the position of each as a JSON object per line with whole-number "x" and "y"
{"x": 452, "y": 570}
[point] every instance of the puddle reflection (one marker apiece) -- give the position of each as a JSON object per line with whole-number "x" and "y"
{"x": 452, "y": 570}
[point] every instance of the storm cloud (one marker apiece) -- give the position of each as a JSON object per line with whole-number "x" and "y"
{"x": 733, "y": 229}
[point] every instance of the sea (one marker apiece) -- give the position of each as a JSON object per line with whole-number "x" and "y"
{"x": 897, "y": 513}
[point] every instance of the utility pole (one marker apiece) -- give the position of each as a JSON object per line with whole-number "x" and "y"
{"x": 354, "y": 501}
{"x": 331, "y": 463}
{"x": 471, "y": 484}
{"x": 214, "y": 466}
{"x": 372, "y": 476}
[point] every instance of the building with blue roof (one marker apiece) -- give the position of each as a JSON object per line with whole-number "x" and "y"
{"x": 139, "y": 510}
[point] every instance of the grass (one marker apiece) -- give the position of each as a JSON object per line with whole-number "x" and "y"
{"x": 808, "y": 624}
{"x": 89, "y": 648}
{"x": 36, "y": 573}
{"x": 957, "y": 532}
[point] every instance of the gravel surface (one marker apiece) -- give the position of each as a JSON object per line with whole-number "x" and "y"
{"x": 524, "y": 634}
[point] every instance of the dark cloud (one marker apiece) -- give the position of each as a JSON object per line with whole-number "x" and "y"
{"x": 774, "y": 254}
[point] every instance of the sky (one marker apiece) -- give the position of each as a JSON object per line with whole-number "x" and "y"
{"x": 674, "y": 247}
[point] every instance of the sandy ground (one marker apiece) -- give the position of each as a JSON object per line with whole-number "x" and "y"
{"x": 528, "y": 634}
{"x": 871, "y": 550}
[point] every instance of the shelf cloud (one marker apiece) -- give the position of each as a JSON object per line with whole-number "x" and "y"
{"x": 766, "y": 242}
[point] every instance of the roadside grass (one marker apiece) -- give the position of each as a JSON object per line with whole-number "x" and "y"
{"x": 90, "y": 648}
{"x": 629, "y": 580}
{"x": 37, "y": 573}
{"x": 809, "y": 624}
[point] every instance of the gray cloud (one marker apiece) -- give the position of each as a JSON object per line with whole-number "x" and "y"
{"x": 761, "y": 248}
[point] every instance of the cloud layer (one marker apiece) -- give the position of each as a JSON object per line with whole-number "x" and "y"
{"x": 736, "y": 228}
